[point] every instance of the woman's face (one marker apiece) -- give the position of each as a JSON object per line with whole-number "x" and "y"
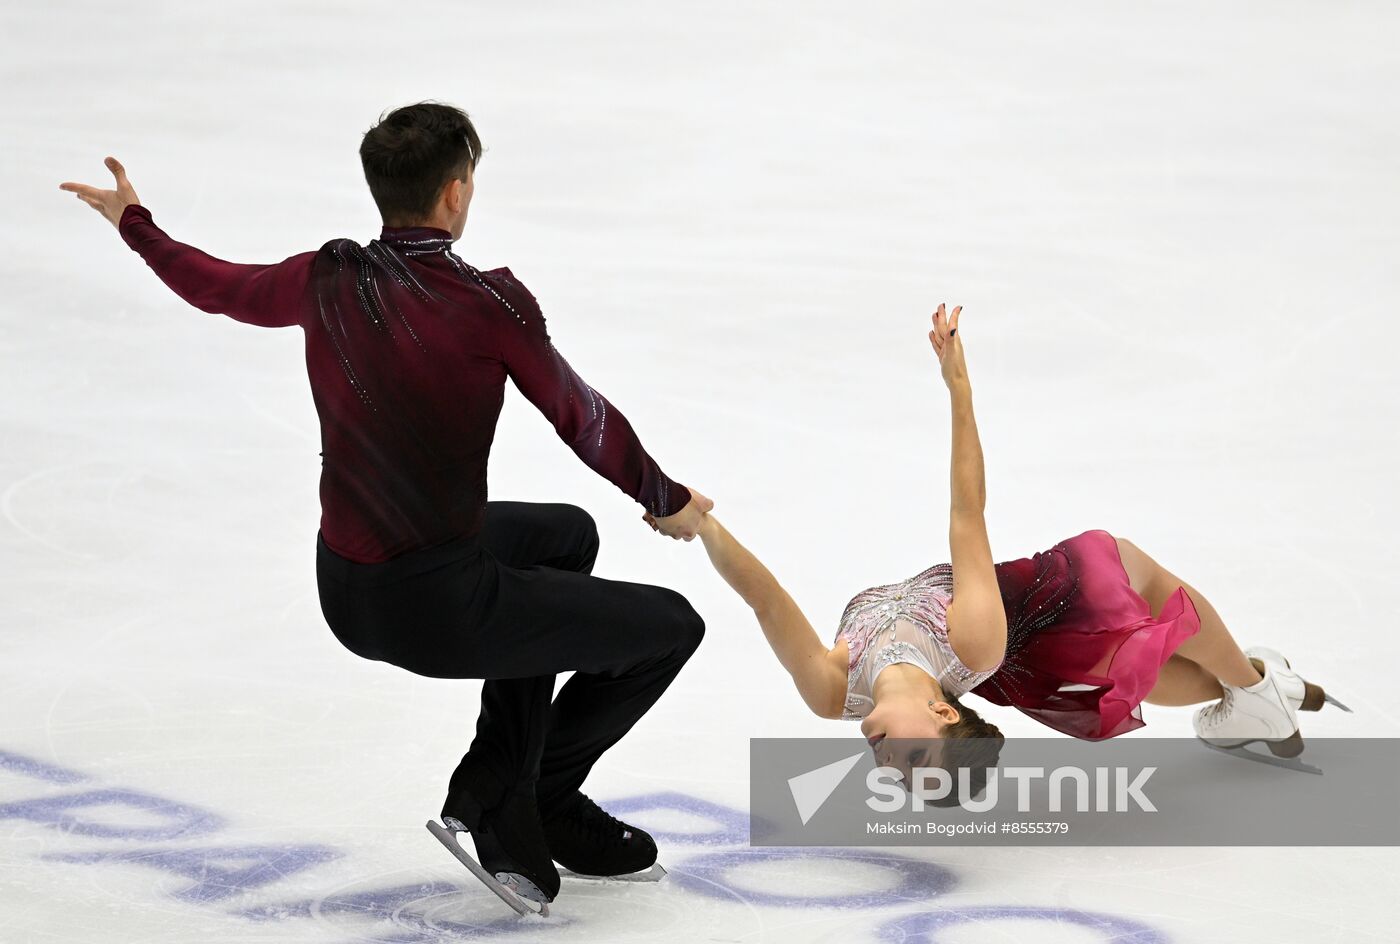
{"x": 908, "y": 733}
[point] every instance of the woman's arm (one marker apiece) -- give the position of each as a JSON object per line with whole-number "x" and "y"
{"x": 819, "y": 679}
{"x": 976, "y": 617}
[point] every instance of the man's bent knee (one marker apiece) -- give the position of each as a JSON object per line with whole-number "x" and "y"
{"x": 687, "y": 627}
{"x": 581, "y": 523}
{"x": 579, "y": 520}
{"x": 694, "y": 632}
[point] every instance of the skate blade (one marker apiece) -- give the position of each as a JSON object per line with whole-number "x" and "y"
{"x": 518, "y": 892}
{"x": 1290, "y": 746}
{"x": 1243, "y": 751}
{"x": 1314, "y": 698}
{"x": 654, "y": 874}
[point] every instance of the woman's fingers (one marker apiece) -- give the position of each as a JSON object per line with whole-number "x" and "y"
{"x": 945, "y": 326}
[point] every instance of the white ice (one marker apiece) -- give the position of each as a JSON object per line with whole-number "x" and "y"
{"x": 1173, "y": 229}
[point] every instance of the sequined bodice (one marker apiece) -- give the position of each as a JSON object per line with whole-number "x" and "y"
{"x": 902, "y": 622}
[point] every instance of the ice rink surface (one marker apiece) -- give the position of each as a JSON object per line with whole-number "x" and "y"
{"x": 1173, "y": 229}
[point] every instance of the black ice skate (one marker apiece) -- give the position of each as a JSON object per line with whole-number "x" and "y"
{"x": 510, "y": 844}
{"x": 590, "y": 844}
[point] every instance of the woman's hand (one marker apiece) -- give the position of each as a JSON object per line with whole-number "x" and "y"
{"x": 948, "y": 346}
{"x": 110, "y": 203}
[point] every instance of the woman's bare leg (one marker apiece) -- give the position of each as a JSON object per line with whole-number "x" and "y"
{"x": 1183, "y": 682}
{"x": 1213, "y": 648}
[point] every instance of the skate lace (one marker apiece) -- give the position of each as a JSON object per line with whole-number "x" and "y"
{"x": 592, "y": 822}
{"x": 1218, "y": 712}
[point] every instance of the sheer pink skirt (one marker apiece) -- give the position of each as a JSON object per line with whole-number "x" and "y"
{"x": 1083, "y": 648}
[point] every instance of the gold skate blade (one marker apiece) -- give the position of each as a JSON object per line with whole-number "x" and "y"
{"x": 520, "y": 902}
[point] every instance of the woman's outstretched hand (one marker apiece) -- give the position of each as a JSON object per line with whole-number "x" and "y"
{"x": 110, "y": 203}
{"x": 948, "y": 346}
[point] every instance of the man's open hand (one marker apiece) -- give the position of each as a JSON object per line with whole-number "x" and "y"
{"x": 684, "y": 525}
{"x": 110, "y": 203}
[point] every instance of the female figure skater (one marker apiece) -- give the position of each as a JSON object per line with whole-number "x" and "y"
{"x": 1077, "y": 636}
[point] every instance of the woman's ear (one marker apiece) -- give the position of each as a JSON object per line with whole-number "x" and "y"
{"x": 944, "y": 712}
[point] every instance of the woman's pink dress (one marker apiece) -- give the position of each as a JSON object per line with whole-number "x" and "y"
{"x": 1083, "y": 648}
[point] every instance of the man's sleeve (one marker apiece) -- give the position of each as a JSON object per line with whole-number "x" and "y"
{"x": 266, "y": 295}
{"x": 595, "y": 429}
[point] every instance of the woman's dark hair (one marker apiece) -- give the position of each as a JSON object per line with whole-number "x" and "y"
{"x": 412, "y": 153}
{"x": 973, "y": 743}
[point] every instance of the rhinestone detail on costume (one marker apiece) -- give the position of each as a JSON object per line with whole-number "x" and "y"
{"x": 868, "y": 625}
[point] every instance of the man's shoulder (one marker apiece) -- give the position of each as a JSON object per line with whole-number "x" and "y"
{"x": 338, "y": 244}
{"x": 500, "y": 274}
{"x": 510, "y": 288}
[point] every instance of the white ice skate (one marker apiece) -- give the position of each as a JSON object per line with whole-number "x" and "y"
{"x": 1304, "y": 695}
{"x": 1259, "y": 713}
{"x": 519, "y": 893}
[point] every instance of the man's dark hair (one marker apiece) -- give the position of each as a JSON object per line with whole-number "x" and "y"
{"x": 412, "y": 153}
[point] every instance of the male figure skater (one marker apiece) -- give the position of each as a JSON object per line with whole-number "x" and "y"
{"x": 408, "y": 349}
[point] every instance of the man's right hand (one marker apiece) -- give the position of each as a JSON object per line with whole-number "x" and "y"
{"x": 110, "y": 203}
{"x": 684, "y": 525}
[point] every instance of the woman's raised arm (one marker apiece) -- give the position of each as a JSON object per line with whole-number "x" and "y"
{"x": 976, "y": 617}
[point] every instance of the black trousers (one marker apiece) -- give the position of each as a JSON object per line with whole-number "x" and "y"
{"x": 516, "y": 605}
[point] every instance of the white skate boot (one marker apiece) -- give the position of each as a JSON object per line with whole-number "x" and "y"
{"x": 1304, "y": 695}
{"x": 1261, "y": 712}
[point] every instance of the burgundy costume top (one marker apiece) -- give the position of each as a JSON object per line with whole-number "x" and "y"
{"x": 408, "y": 349}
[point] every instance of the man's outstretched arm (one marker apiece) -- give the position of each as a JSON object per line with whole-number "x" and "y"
{"x": 593, "y": 427}
{"x": 267, "y": 295}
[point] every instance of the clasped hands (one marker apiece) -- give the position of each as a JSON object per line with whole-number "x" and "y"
{"x": 684, "y": 525}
